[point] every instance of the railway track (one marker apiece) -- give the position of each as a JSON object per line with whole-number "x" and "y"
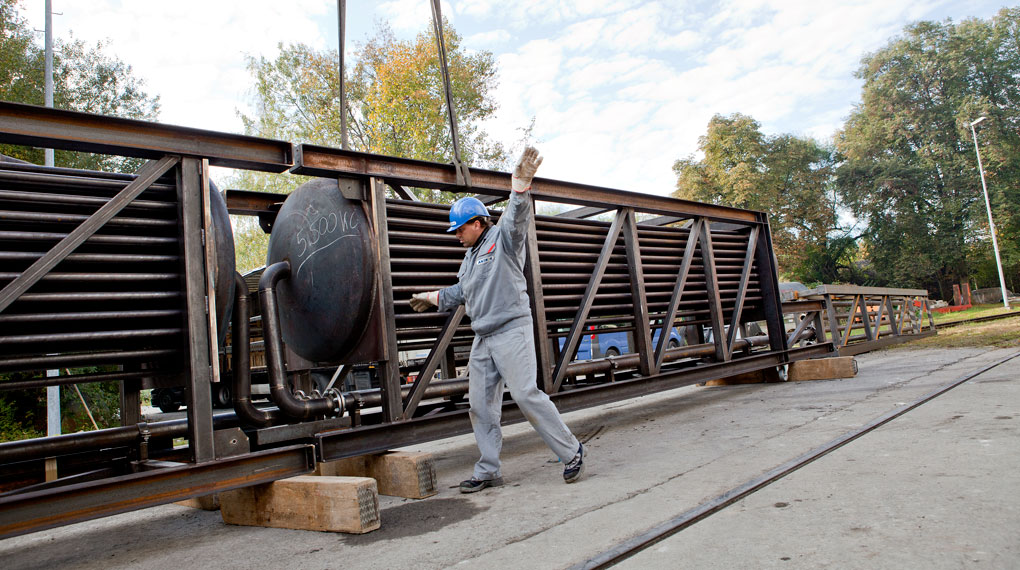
{"x": 664, "y": 530}
{"x": 951, "y": 324}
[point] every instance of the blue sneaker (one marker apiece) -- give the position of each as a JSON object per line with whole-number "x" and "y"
{"x": 473, "y": 485}
{"x": 575, "y": 469}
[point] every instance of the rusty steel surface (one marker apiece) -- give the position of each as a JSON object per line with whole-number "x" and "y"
{"x": 39, "y": 510}
{"x": 70, "y": 130}
{"x": 324, "y": 161}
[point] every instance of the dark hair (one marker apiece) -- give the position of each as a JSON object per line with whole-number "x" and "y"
{"x": 485, "y": 221}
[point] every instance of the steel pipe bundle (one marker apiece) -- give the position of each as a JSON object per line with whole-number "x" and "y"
{"x": 115, "y": 301}
{"x": 424, "y": 257}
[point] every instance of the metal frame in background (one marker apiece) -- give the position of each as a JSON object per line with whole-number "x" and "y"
{"x": 756, "y": 255}
{"x": 135, "y": 474}
{"x": 861, "y": 319}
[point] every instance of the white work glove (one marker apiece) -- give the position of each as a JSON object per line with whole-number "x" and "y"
{"x": 425, "y": 301}
{"x": 525, "y": 171}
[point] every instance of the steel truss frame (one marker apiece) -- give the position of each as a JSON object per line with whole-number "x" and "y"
{"x": 215, "y": 460}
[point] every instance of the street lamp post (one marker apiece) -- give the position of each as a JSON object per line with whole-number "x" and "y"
{"x": 988, "y": 207}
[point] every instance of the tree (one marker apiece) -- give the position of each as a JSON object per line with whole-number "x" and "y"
{"x": 785, "y": 176}
{"x": 84, "y": 79}
{"x": 396, "y": 107}
{"x": 909, "y": 169}
{"x": 396, "y": 104}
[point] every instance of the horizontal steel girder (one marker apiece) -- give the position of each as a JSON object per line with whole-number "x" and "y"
{"x": 85, "y": 132}
{"x": 324, "y": 161}
{"x": 40, "y": 510}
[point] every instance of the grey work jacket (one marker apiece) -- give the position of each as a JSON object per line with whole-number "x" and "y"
{"x": 491, "y": 282}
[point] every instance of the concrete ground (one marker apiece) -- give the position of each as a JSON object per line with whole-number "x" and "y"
{"x": 936, "y": 488}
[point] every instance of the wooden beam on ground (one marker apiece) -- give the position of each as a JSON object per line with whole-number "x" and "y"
{"x": 822, "y": 369}
{"x": 307, "y": 502}
{"x": 397, "y": 473}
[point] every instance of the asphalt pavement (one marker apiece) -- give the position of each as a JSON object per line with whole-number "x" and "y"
{"x": 938, "y": 487}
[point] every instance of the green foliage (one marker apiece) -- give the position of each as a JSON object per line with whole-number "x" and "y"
{"x": 910, "y": 171}
{"x": 785, "y": 176}
{"x": 84, "y": 79}
{"x": 23, "y": 412}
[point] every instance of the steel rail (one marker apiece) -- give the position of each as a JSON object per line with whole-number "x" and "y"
{"x": 662, "y": 531}
{"x": 950, "y": 324}
{"x": 165, "y": 483}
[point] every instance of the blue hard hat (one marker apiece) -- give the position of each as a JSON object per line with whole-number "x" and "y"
{"x": 465, "y": 210}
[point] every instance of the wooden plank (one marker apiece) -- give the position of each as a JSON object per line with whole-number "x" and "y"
{"x": 755, "y": 377}
{"x": 205, "y": 502}
{"x": 822, "y": 369}
{"x": 307, "y": 502}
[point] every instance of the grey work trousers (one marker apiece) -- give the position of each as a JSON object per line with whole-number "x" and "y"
{"x": 510, "y": 356}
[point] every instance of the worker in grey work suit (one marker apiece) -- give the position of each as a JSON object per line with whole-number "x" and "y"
{"x": 492, "y": 288}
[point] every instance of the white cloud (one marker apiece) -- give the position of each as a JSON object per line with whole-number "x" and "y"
{"x": 619, "y": 88}
{"x": 190, "y": 52}
{"x": 488, "y": 39}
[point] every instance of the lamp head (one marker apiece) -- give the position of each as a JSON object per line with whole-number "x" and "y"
{"x": 978, "y": 121}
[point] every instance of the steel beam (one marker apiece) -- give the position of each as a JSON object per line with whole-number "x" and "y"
{"x": 438, "y": 352}
{"x": 324, "y": 161}
{"x": 678, "y": 291}
{"x": 39, "y": 510}
{"x": 70, "y": 130}
{"x": 576, "y": 328}
{"x": 389, "y": 379}
{"x": 199, "y": 362}
{"x": 639, "y": 299}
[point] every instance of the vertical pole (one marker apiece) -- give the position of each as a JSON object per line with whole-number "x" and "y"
{"x": 341, "y": 16}
{"x": 52, "y": 392}
{"x": 991, "y": 224}
{"x": 52, "y": 418}
{"x": 49, "y": 70}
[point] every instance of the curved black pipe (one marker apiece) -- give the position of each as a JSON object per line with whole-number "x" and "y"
{"x": 240, "y": 360}
{"x": 279, "y": 391}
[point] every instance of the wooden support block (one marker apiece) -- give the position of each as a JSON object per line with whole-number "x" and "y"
{"x": 206, "y": 502}
{"x": 755, "y": 377}
{"x": 397, "y": 473}
{"x": 307, "y": 502}
{"x": 404, "y": 474}
{"x": 349, "y": 467}
{"x": 822, "y": 369}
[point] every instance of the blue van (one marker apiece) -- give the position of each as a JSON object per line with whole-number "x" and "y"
{"x": 607, "y": 342}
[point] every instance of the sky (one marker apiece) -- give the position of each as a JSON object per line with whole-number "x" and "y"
{"x": 618, "y": 89}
